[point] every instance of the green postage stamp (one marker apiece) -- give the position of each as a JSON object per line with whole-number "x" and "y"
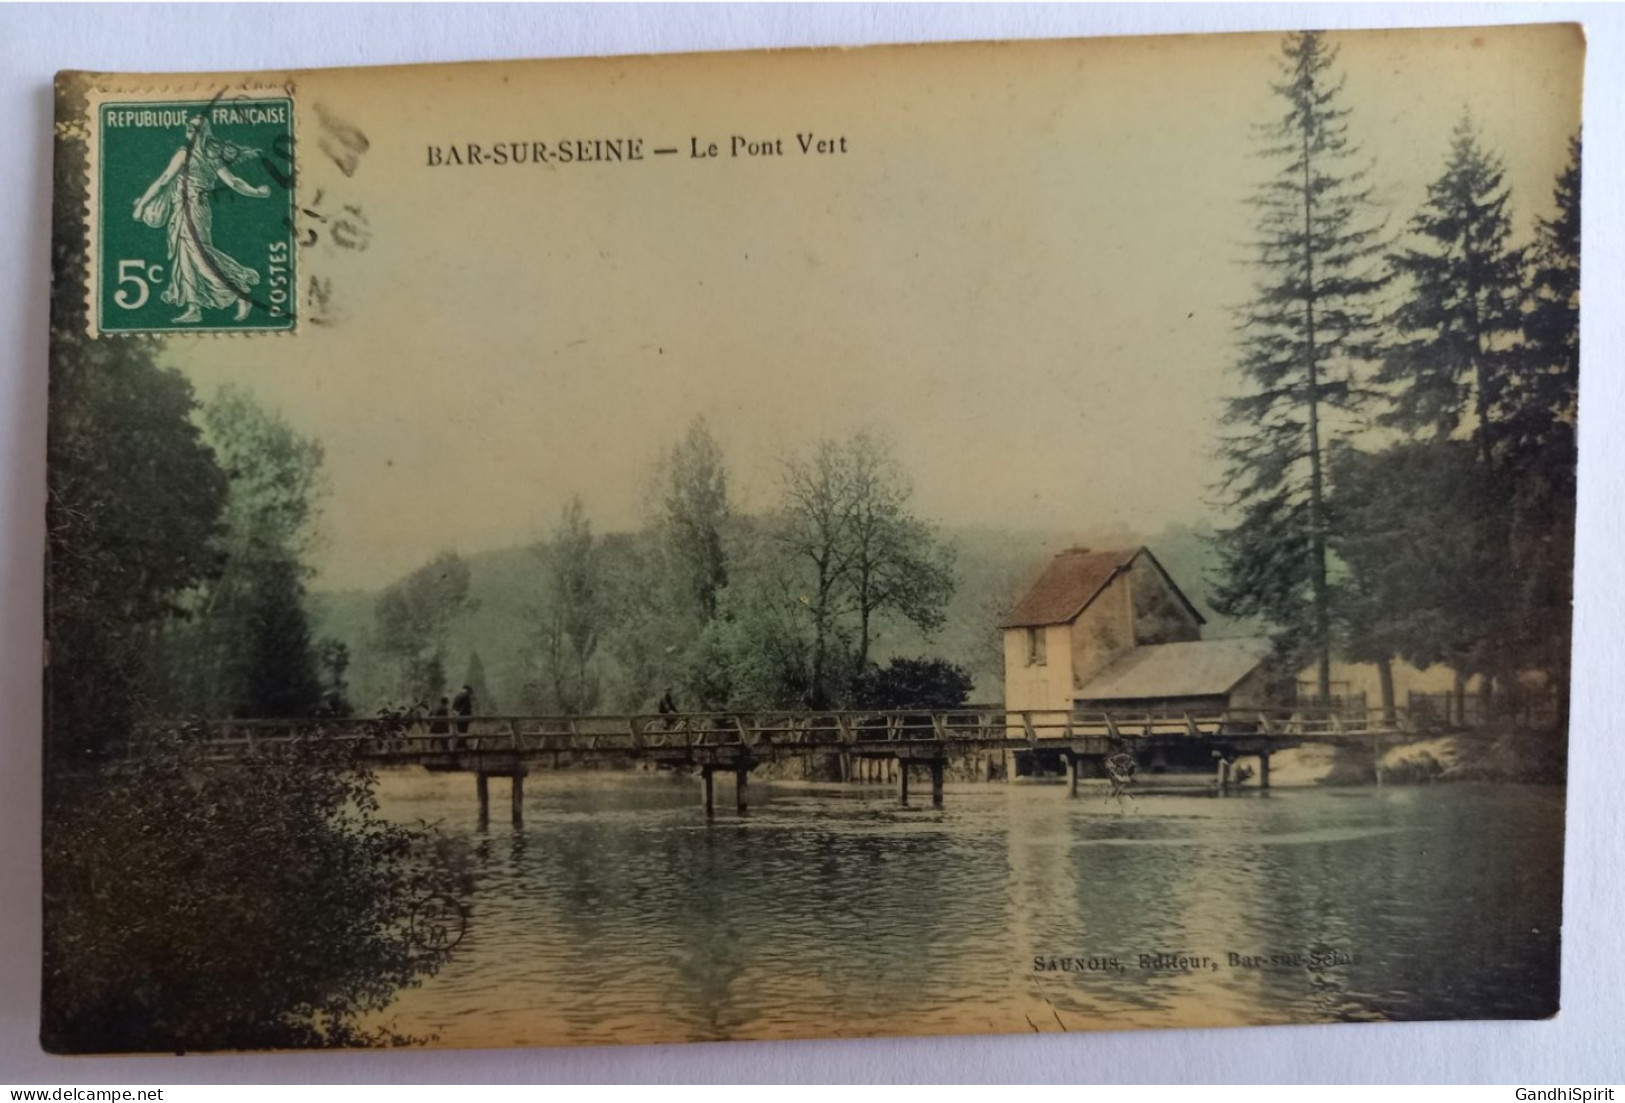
{"x": 192, "y": 215}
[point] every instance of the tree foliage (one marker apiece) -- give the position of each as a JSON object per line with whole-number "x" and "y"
{"x": 1458, "y": 542}
{"x": 1537, "y": 435}
{"x": 1421, "y": 538}
{"x": 1303, "y": 338}
{"x": 570, "y": 614}
{"x": 412, "y": 624}
{"x": 333, "y": 667}
{"x": 912, "y": 684}
{"x": 894, "y": 562}
{"x": 693, "y": 511}
{"x": 191, "y": 905}
{"x": 1541, "y": 398}
{"x": 758, "y": 652}
{"x": 817, "y": 514}
{"x": 662, "y": 588}
{"x": 846, "y": 525}
{"x": 474, "y": 679}
{"x": 246, "y": 646}
{"x": 1462, "y": 303}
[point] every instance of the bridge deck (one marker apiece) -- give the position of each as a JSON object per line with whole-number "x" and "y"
{"x": 719, "y": 737}
{"x": 508, "y": 746}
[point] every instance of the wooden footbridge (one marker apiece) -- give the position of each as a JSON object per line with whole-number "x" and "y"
{"x": 902, "y": 742}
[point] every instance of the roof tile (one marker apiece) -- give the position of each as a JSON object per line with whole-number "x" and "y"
{"x": 1067, "y": 586}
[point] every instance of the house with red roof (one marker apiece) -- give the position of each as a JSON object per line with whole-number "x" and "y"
{"x": 1111, "y": 629}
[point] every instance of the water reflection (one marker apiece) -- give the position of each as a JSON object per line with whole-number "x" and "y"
{"x": 617, "y": 913}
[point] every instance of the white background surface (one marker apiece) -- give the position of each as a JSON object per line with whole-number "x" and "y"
{"x": 1583, "y": 1044}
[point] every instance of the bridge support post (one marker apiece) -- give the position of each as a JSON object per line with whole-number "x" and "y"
{"x": 741, "y": 774}
{"x": 902, "y": 782}
{"x": 517, "y": 798}
{"x": 482, "y": 787}
{"x": 936, "y": 782}
{"x": 710, "y": 795}
{"x": 1263, "y": 769}
{"x": 1071, "y": 775}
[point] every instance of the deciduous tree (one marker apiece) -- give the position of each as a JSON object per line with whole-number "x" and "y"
{"x": 815, "y": 530}
{"x": 246, "y": 646}
{"x": 412, "y": 623}
{"x": 693, "y": 512}
{"x": 846, "y": 523}
{"x": 570, "y": 614}
{"x": 895, "y": 564}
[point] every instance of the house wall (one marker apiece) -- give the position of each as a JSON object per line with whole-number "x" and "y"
{"x": 1252, "y": 691}
{"x": 1159, "y": 615}
{"x": 1103, "y": 632}
{"x": 1033, "y": 685}
{"x": 1137, "y": 607}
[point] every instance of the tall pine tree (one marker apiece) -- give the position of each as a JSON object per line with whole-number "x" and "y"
{"x": 1543, "y": 396}
{"x": 1304, "y": 336}
{"x": 1462, "y": 309}
{"x": 1454, "y": 353}
{"x": 1537, "y": 435}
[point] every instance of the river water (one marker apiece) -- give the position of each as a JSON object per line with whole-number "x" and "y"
{"x": 618, "y": 914}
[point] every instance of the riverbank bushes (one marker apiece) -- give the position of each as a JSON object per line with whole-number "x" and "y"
{"x": 261, "y": 904}
{"x": 1506, "y": 755}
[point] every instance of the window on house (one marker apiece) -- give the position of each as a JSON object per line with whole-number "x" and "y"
{"x": 1035, "y": 647}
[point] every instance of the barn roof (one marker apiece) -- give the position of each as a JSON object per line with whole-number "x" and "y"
{"x": 1073, "y": 579}
{"x": 1199, "y": 668}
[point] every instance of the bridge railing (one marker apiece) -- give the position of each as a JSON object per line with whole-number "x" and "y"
{"x": 830, "y": 730}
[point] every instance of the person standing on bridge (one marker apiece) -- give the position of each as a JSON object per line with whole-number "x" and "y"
{"x": 668, "y": 709}
{"x": 463, "y": 706}
{"x": 438, "y": 724}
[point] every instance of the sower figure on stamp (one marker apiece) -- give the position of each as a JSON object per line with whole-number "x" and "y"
{"x": 199, "y": 274}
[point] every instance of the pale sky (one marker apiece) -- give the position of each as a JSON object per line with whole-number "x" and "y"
{"x": 1020, "y": 272}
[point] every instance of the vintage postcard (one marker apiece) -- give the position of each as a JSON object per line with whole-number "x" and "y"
{"x": 1037, "y": 536}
